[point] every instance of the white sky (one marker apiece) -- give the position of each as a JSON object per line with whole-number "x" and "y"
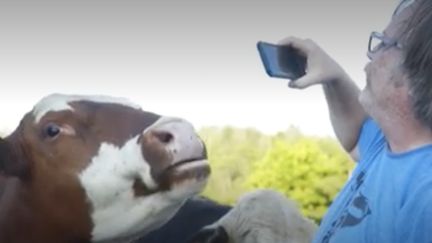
{"x": 195, "y": 60}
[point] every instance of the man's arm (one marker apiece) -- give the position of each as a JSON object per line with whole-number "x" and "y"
{"x": 346, "y": 113}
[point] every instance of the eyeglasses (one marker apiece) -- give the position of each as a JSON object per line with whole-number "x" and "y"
{"x": 377, "y": 41}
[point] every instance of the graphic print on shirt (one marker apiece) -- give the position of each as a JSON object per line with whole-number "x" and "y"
{"x": 355, "y": 210}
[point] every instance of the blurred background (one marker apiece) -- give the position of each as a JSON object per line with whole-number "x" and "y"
{"x": 197, "y": 59}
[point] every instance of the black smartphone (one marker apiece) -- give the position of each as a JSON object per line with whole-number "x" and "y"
{"x": 282, "y": 61}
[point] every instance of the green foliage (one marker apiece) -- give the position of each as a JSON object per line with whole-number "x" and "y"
{"x": 309, "y": 170}
{"x": 231, "y": 152}
{"x": 303, "y": 170}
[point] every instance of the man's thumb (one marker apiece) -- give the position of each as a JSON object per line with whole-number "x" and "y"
{"x": 303, "y": 82}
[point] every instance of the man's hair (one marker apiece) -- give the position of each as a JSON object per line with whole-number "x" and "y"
{"x": 402, "y": 5}
{"x": 418, "y": 60}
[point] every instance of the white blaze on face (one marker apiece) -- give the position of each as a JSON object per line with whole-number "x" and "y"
{"x": 59, "y": 102}
{"x": 116, "y": 212}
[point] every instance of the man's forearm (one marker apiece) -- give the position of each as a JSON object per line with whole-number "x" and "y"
{"x": 346, "y": 113}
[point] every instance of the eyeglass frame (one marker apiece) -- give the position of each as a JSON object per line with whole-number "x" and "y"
{"x": 386, "y": 42}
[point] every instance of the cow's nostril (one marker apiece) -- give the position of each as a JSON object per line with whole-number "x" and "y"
{"x": 163, "y": 137}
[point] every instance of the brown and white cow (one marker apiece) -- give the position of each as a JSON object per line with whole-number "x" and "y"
{"x": 82, "y": 169}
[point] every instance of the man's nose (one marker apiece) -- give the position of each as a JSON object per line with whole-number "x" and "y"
{"x": 367, "y": 67}
{"x": 369, "y": 55}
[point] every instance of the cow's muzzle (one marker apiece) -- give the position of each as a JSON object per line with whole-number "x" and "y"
{"x": 174, "y": 152}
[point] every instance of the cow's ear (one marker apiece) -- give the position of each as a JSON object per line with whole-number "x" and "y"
{"x": 10, "y": 164}
{"x": 210, "y": 235}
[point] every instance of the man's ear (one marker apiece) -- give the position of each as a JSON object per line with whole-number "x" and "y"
{"x": 10, "y": 164}
{"x": 212, "y": 234}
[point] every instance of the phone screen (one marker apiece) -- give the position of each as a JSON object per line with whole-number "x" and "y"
{"x": 281, "y": 61}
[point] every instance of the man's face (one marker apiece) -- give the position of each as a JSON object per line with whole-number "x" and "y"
{"x": 386, "y": 85}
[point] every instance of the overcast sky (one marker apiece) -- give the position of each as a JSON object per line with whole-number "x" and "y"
{"x": 195, "y": 59}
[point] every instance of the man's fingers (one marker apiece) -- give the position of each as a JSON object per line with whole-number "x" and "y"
{"x": 304, "y": 46}
{"x": 304, "y": 82}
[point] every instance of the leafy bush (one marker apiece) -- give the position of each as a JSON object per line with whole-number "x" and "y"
{"x": 231, "y": 152}
{"x": 307, "y": 169}
{"x": 304, "y": 171}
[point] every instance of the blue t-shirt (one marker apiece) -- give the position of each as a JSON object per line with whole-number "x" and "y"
{"x": 388, "y": 198}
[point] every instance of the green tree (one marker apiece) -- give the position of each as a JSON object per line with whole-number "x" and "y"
{"x": 308, "y": 170}
{"x": 231, "y": 152}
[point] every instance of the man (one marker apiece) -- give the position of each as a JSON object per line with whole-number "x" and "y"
{"x": 386, "y": 128}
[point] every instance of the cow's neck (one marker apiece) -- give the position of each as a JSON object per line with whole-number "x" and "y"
{"x": 24, "y": 218}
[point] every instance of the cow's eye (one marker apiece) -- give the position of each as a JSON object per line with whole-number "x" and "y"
{"x": 52, "y": 130}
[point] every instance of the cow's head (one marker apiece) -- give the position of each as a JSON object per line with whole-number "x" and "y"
{"x": 104, "y": 164}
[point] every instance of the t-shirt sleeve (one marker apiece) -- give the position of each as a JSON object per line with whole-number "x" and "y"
{"x": 371, "y": 137}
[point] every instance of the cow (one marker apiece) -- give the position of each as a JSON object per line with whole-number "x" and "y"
{"x": 196, "y": 213}
{"x": 81, "y": 169}
{"x": 259, "y": 216}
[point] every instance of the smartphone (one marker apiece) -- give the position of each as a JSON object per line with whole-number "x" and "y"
{"x": 282, "y": 61}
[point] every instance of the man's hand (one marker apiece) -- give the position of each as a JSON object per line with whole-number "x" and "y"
{"x": 320, "y": 67}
